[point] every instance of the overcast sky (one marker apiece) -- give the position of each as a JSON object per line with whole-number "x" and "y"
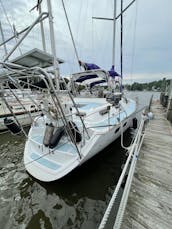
{"x": 147, "y": 35}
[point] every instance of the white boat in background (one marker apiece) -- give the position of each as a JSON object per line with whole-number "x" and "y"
{"x": 25, "y": 111}
{"x": 70, "y": 130}
{"x": 21, "y": 93}
{"x": 91, "y": 81}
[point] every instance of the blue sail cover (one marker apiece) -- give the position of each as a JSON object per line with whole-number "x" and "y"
{"x": 91, "y": 66}
{"x": 87, "y": 77}
{"x": 97, "y": 82}
{"x": 112, "y": 72}
{"x": 88, "y": 66}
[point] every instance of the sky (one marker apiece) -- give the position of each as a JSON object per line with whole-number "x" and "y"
{"x": 147, "y": 32}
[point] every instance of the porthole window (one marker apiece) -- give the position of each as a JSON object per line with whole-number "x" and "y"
{"x": 125, "y": 124}
{"x": 117, "y": 130}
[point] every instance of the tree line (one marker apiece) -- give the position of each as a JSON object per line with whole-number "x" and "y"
{"x": 159, "y": 85}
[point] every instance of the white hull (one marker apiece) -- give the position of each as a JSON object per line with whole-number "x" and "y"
{"x": 104, "y": 140}
{"x": 52, "y": 164}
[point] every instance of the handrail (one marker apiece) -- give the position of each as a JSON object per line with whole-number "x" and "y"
{"x": 74, "y": 103}
{"x": 44, "y": 75}
{"x": 58, "y": 104}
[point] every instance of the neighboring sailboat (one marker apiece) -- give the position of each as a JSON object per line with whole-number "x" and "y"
{"x": 71, "y": 130}
{"x": 20, "y": 110}
{"x": 21, "y": 94}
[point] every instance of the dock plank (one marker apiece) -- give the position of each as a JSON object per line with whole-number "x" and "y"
{"x": 150, "y": 200}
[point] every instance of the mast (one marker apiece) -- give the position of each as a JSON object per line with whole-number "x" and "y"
{"x": 114, "y": 24}
{"x": 53, "y": 47}
{"x": 2, "y": 35}
{"x": 121, "y": 39}
{"x": 42, "y": 29}
{"x": 114, "y": 33}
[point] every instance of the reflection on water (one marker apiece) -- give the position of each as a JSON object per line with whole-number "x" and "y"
{"x": 76, "y": 201}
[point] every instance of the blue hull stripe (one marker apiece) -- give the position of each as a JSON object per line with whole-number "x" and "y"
{"x": 44, "y": 162}
{"x": 67, "y": 148}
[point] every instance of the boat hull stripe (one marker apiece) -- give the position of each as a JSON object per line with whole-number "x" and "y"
{"x": 44, "y": 162}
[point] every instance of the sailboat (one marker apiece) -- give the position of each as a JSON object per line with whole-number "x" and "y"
{"x": 71, "y": 130}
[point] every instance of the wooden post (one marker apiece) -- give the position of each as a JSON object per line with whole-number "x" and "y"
{"x": 162, "y": 97}
{"x": 169, "y": 107}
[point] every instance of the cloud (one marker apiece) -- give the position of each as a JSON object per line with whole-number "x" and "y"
{"x": 147, "y": 34}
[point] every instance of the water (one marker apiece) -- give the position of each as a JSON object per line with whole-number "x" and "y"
{"x": 76, "y": 201}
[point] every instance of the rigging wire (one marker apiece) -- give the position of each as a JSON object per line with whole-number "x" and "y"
{"x": 84, "y": 31}
{"x": 106, "y": 39}
{"x": 134, "y": 41}
{"x": 11, "y": 26}
{"x": 79, "y": 20}
{"x": 92, "y": 37}
{"x": 71, "y": 34}
{"x": 76, "y": 37}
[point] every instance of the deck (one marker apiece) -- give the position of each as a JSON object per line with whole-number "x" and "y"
{"x": 150, "y": 199}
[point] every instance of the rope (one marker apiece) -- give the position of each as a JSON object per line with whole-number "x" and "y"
{"x": 125, "y": 195}
{"x": 112, "y": 201}
{"x": 122, "y": 132}
{"x": 37, "y": 5}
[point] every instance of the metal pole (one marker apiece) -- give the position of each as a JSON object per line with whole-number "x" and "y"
{"x": 2, "y": 35}
{"x": 53, "y": 48}
{"x": 114, "y": 32}
{"x": 42, "y": 30}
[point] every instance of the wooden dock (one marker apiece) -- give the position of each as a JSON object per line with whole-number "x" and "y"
{"x": 150, "y": 199}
